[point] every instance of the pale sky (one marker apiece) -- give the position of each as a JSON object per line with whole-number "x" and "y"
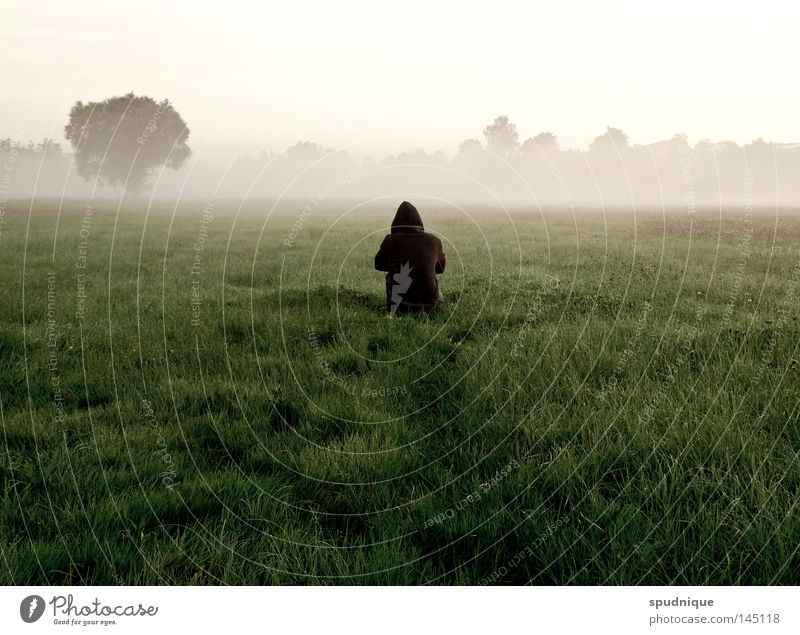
{"x": 379, "y": 78}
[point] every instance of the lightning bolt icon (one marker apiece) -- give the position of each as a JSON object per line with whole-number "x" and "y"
{"x": 32, "y": 607}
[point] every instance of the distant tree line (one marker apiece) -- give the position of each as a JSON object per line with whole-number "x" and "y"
{"x": 130, "y": 141}
{"x": 23, "y": 164}
{"x": 10, "y": 147}
{"x": 500, "y": 168}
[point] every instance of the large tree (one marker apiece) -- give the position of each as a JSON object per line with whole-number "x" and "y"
{"x": 123, "y": 140}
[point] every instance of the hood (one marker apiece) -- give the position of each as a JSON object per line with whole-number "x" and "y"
{"x": 407, "y": 219}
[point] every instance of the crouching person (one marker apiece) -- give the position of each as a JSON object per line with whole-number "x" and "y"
{"x": 411, "y": 259}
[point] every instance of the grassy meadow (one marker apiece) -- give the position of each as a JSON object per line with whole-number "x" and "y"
{"x": 202, "y": 394}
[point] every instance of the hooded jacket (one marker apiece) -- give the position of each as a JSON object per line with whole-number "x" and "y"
{"x": 411, "y": 259}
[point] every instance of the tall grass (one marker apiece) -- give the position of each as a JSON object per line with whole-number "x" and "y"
{"x": 605, "y": 398}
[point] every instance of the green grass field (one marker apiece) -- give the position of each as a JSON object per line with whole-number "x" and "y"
{"x": 606, "y": 398}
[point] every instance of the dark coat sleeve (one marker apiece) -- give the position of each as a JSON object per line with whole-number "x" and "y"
{"x": 382, "y": 257}
{"x": 440, "y": 261}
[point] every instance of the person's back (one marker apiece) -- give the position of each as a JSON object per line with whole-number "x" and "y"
{"x": 411, "y": 259}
